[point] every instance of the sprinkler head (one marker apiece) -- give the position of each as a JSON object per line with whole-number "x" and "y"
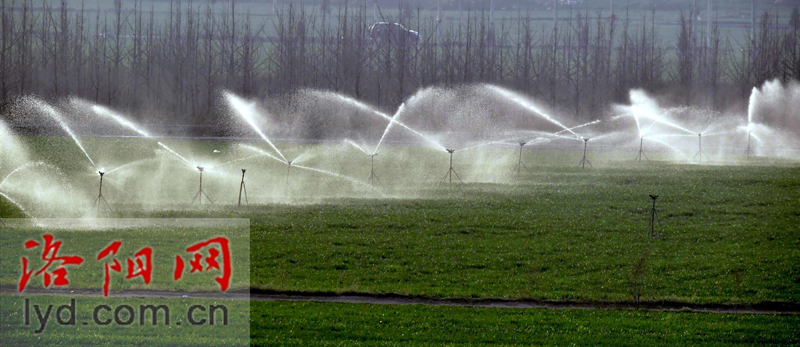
{"x": 373, "y": 154}
{"x": 289, "y": 162}
{"x": 654, "y": 197}
{"x": 451, "y": 151}
{"x": 200, "y": 168}
{"x": 522, "y": 143}
{"x": 243, "y": 170}
{"x": 585, "y": 139}
{"x": 101, "y": 173}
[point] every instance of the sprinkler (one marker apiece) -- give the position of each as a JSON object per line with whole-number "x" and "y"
{"x": 641, "y": 151}
{"x": 585, "y": 161}
{"x": 200, "y": 192}
{"x": 372, "y": 176}
{"x": 748, "y": 145}
{"x": 100, "y": 196}
{"x": 653, "y": 218}
{"x": 451, "y": 170}
{"x": 286, "y": 187}
{"x": 700, "y": 152}
{"x": 242, "y": 188}
{"x": 520, "y": 164}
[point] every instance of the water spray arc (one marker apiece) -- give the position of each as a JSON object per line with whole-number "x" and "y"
{"x": 451, "y": 170}
{"x": 200, "y": 192}
{"x": 242, "y": 188}
{"x": 700, "y": 152}
{"x": 372, "y": 178}
{"x": 641, "y": 151}
{"x": 100, "y": 196}
{"x": 585, "y": 161}
{"x": 520, "y": 164}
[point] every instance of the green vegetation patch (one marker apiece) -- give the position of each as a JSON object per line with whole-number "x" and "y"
{"x": 327, "y": 324}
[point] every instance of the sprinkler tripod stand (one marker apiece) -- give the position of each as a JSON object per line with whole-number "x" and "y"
{"x": 653, "y": 218}
{"x": 200, "y": 192}
{"x": 451, "y": 170}
{"x": 641, "y": 151}
{"x": 286, "y": 187}
{"x": 584, "y": 161}
{"x": 100, "y": 196}
{"x": 242, "y": 188}
{"x": 700, "y": 152}
{"x": 520, "y": 164}
{"x": 748, "y": 145}
{"x": 372, "y": 176}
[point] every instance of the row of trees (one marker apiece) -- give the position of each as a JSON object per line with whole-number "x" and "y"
{"x": 139, "y": 60}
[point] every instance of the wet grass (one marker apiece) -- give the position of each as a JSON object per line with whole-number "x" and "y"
{"x": 327, "y": 324}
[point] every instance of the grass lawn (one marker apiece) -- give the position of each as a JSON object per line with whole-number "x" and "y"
{"x": 565, "y": 235}
{"x": 336, "y": 324}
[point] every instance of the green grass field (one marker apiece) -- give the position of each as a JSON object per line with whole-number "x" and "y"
{"x": 329, "y": 324}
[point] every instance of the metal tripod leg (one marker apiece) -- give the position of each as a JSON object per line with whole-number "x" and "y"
{"x": 197, "y": 196}
{"x": 522, "y": 165}
{"x": 459, "y": 178}
{"x": 105, "y": 202}
{"x": 209, "y": 199}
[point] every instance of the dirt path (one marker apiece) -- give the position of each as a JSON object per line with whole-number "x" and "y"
{"x": 394, "y": 299}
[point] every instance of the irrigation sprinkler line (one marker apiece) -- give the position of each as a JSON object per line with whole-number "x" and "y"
{"x": 641, "y": 151}
{"x": 654, "y": 218}
{"x": 372, "y": 176}
{"x": 242, "y": 188}
{"x": 584, "y": 161}
{"x": 451, "y": 170}
{"x": 100, "y": 197}
{"x": 201, "y": 192}
{"x": 520, "y": 164}
{"x": 2, "y": 223}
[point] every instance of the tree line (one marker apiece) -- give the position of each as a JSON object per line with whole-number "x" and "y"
{"x": 175, "y": 64}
